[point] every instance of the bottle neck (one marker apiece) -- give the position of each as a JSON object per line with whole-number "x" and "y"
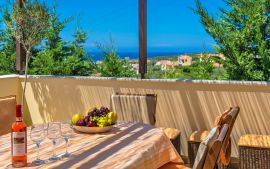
{"x": 19, "y": 119}
{"x": 18, "y": 113}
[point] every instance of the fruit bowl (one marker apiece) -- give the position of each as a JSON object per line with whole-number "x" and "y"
{"x": 92, "y": 130}
{"x": 96, "y": 120}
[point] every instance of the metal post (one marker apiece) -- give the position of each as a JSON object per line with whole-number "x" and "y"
{"x": 20, "y": 52}
{"x": 142, "y": 37}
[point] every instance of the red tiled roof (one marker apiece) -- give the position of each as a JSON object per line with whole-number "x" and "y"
{"x": 185, "y": 57}
{"x": 166, "y": 62}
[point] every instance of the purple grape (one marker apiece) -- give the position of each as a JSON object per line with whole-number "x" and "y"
{"x": 86, "y": 119}
{"x": 81, "y": 122}
{"x": 102, "y": 109}
{"x": 91, "y": 114}
{"x": 91, "y": 124}
{"x": 107, "y": 111}
{"x": 98, "y": 113}
{"x": 92, "y": 111}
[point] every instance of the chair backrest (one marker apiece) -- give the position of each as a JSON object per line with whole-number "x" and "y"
{"x": 209, "y": 149}
{"x": 230, "y": 120}
{"x": 214, "y": 150}
{"x": 134, "y": 107}
{"x": 7, "y": 113}
{"x": 228, "y": 117}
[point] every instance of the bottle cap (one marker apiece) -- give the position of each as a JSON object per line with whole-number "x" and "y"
{"x": 18, "y": 110}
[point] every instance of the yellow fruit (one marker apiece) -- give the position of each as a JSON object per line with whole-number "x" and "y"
{"x": 112, "y": 117}
{"x": 76, "y": 117}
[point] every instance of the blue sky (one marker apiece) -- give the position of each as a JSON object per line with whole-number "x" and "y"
{"x": 172, "y": 25}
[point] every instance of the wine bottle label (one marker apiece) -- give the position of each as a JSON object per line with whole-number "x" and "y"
{"x": 19, "y": 143}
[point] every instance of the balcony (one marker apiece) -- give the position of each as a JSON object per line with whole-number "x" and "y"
{"x": 187, "y": 105}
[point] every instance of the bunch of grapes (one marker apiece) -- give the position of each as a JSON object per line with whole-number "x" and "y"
{"x": 81, "y": 122}
{"x": 103, "y": 111}
{"x": 95, "y": 117}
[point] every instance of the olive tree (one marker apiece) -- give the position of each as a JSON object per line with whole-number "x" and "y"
{"x": 28, "y": 24}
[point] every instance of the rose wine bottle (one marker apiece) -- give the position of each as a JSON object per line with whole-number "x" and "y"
{"x": 19, "y": 140}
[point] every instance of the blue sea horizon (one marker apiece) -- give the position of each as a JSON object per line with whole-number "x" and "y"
{"x": 97, "y": 56}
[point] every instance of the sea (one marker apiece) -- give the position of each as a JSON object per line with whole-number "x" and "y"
{"x": 97, "y": 56}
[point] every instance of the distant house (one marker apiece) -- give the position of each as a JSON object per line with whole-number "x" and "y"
{"x": 185, "y": 60}
{"x": 136, "y": 67}
{"x": 98, "y": 62}
{"x": 218, "y": 65}
{"x": 165, "y": 64}
{"x": 217, "y": 55}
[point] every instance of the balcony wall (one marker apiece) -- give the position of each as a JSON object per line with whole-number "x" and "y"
{"x": 186, "y": 105}
{"x": 9, "y": 85}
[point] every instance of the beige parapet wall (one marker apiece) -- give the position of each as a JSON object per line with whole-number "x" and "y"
{"x": 9, "y": 85}
{"x": 184, "y": 104}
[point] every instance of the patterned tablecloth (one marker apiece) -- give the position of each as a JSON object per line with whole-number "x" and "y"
{"x": 127, "y": 145}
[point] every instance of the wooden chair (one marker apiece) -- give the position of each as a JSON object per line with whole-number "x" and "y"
{"x": 208, "y": 152}
{"x": 228, "y": 117}
{"x": 141, "y": 108}
{"x": 7, "y": 113}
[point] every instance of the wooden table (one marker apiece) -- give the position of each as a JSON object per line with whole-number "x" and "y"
{"x": 127, "y": 145}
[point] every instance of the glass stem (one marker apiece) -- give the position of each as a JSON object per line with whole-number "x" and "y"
{"x": 54, "y": 142}
{"x": 66, "y": 140}
{"x": 38, "y": 145}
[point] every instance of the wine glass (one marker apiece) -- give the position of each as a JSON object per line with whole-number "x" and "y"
{"x": 54, "y": 133}
{"x": 37, "y": 135}
{"x": 66, "y": 132}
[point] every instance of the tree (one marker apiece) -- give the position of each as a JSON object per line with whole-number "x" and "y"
{"x": 65, "y": 58}
{"x": 112, "y": 65}
{"x": 49, "y": 59}
{"x": 204, "y": 68}
{"x": 28, "y": 25}
{"x": 154, "y": 71}
{"x": 56, "y": 25}
{"x": 79, "y": 63}
{"x": 51, "y": 55}
{"x": 7, "y": 48}
{"x": 242, "y": 34}
{"x": 59, "y": 57}
{"x": 173, "y": 73}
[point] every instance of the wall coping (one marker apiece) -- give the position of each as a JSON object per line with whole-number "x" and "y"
{"x": 8, "y": 76}
{"x": 230, "y": 82}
